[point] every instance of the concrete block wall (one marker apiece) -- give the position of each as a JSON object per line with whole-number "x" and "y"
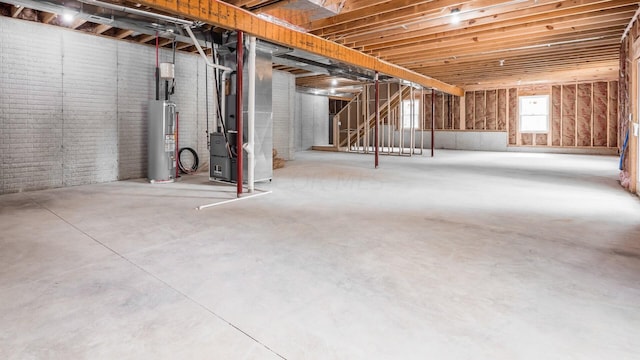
{"x": 311, "y": 121}
{"x": 283, "y": 100}
{"x": 134, "y": 85}
{"x": 30, "y": 108}
{"x": 89, "y": 103}
{"x": 73, "y": 107}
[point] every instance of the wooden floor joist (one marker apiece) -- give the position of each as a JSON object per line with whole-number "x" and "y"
{"x": 230, "y": 17}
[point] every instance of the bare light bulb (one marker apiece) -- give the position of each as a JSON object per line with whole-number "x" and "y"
{"x": 67, "y": 17}
{"x": 455, "y": 16}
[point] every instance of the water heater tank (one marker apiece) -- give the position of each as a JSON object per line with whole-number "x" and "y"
{"x": 162, "y": 141}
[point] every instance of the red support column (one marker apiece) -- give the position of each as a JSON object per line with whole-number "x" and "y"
{"x": 239, "y": 109}
{"x": 177, "y": 146}
{"x": 433, "y": 119}
{"x": 377, "y": 140}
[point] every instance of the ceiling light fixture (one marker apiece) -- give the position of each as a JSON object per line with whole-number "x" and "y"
{"x": 334, "y": 82}
{"x": 67, "y": 17}
{"x": 501, "y": 62}
{"x": 455, "y": 16}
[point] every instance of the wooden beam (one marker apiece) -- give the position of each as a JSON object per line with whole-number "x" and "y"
{"x": 388, "y": 14}
{"x": 47, "y": 17}
{"x": 181, "y": 45}
{"x": 407, "y": 7}
{"x": 16, "y": 10}
{"x": 554, "y": 21}
{"x": 145, "y": 38}
{"x": 101, "y": 28}
{"x": 230, "y": 17}
{"x": 77, "y": 23}
{"x": 505, "y": 47}
{"x": 361, "y": 31}
{"x": 122, "y": 33}
{"x": 493, "y": 42}
{"x": 164, "y": 42}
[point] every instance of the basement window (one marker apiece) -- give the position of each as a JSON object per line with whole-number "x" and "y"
{"x": 534, "y": 114}
{"x": 407, "y": 112}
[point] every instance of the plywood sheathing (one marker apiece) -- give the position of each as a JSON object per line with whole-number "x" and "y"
{"x": 502, "y": 110}
{"x": 600, "y": 113}
{"x": 556, "y": 115}
{"x": 613, "y": 115}
{"x": 469, "y": 108}
{"x": 569, "y": 115}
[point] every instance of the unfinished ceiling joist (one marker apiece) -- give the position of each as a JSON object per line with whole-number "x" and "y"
{"x": 230, "y": 17}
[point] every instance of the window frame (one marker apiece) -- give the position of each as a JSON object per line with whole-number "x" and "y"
{"x": 417, "y": 116}
{"x": 547, "y": 114}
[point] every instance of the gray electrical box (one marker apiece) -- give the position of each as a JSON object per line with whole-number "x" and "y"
{"x": 219, "y": 158}
{"x": 162, "y": 141}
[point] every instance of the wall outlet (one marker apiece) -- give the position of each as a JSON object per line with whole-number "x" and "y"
{"x": 636, "y": 129}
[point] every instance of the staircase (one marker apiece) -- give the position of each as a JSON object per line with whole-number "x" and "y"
{"x": 354, "y": 124}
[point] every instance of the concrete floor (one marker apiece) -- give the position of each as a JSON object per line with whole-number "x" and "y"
{"x": 469, "y": 255}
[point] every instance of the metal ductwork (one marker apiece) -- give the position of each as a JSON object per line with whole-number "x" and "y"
{"x": 222, "y": 156}
{"x": 141, "y": 22}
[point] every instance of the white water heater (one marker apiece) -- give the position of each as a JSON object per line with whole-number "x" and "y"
{"x": 162, "y": 141}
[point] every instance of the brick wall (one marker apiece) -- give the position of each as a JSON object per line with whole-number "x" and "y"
{"x": 73, "y": 106}
{"x": 311, "y": 121}
{"x": 283, "y": 114}
{"x": 31, "y": 125}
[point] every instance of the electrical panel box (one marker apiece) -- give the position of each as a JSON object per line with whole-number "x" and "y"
{"x": 167, "y": 71}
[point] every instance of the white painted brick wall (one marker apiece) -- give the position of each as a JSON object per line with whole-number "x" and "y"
{"x": 31, "y": 107}
{"x": 186, "y": 99}
{"x": 312, "y": 114}
{"x": 102, "y": 118}
{"x": 283, "y": 114}
{"x": 90, "y": 126}
{"x": 136, "y": 84}
{"x": 203, "y": 74}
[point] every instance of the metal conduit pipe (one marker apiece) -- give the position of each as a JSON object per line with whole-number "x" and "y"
{"x": 201, "y": 52}
{"x": 137, "y": 12}
{"x": 226, "y": 71}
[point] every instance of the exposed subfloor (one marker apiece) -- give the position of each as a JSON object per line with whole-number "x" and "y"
{"x": 468, "y": 255}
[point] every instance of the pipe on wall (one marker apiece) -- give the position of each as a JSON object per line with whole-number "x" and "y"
{"x": 129, "y": 10}
{"x": 226, "y": 71}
